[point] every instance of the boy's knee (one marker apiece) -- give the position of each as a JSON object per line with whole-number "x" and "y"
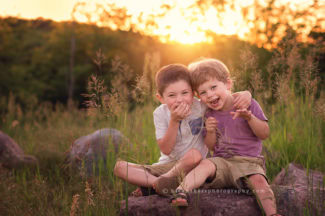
{"x": 193, "y": 156}
{"x": 207, "y": 163}
{"x": 208, "y": 166}
{"x": 257, "y": 179}
{"x": 196, "y": 155}
{"x": 119, "y": 166}
{"x": 259, "y": 184}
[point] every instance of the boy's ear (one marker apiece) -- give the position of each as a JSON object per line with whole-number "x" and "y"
{"x": 160, "y": 98}
{"x": 229, "y": 84}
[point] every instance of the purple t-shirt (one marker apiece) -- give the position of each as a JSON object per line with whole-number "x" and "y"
{"x": 236, "y": 136}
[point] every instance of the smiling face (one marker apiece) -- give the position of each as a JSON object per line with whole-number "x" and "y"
{"x": 176, "y": 93}
{"x": 216, "y": 94}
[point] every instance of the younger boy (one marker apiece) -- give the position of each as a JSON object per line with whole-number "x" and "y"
{"x": 233, "y": 134}
{"x": 178, "y": 123}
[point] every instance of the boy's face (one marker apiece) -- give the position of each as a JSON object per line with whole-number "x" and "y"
{"x": 177, "y": 93}
{"x": 216, "y": 94}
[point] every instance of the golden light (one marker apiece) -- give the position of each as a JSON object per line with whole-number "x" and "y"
{"x": 180, "y": 21}
{"x": 173, "y": 27}
{"x": 180, "y": 25}
{"x": 58, "y": 10}
{"x": 184, "y": 24}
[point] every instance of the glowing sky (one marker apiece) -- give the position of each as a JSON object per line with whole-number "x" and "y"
{"x": 178, "y": 25}
{"x": 52, "y": 9}
{"x": 175, "y": 26}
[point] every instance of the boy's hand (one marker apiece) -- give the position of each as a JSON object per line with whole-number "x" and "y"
{"x": 242, "y": 100}
{"x": 244, "y": 113}
{"x": 180, "y": 111}
{"x": 211, "y": 125}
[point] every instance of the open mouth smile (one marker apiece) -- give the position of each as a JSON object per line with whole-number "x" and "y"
{"x": 215, "y": 101}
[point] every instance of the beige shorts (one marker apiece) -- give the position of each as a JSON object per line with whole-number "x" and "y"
{"x": 159, "y": 169}
{"x": 233, "y": 172}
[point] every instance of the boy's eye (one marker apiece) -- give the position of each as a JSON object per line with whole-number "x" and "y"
{"x": 171, "y": 95}
{"x": 184, "y": 93}
{"x": 202, "y": 93}
{"x": 214, "y": 87}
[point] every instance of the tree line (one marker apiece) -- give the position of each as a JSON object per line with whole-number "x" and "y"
{"x": 41, "y": 59}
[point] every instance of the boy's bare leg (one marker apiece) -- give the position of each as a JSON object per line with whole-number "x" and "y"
{"x": 198, "y": 176}
{"x": 190, "y": 160}
{"x": 194, "y": 179}
{"x": 263, "y": 193}
{"x": 134, "y": 174}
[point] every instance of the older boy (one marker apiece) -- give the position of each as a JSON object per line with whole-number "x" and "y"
{"x": 178, "y": 122}
{"x": 233, "y": 134}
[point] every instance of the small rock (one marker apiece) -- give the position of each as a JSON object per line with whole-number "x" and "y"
{"x": 12, "y": 156}
{"x": 91, "y": 150}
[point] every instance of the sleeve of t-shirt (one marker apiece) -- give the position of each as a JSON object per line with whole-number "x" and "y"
{"x": 160, "y": 122}
{"x": 256, "y": 109}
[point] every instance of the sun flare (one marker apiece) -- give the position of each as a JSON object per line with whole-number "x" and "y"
{"x": 186, "y": 24}
{"x": 187, "y": 21}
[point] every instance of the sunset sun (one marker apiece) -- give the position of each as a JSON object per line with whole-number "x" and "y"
{"x": 186, "y": 23}
{"x": 179, "y": 27}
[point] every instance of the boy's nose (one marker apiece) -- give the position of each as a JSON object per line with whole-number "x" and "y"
{"x": 179, "y": 99}
{"x": 209, "y": 93}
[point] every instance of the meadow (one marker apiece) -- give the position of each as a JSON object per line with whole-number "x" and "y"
{"x": 296, "y": 119}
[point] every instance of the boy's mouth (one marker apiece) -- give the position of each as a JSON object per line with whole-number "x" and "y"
{"x": 178, "y": 104}
{"x": 215, "y": 102}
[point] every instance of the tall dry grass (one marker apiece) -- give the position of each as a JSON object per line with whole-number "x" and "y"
{"x": 288, "y": 95}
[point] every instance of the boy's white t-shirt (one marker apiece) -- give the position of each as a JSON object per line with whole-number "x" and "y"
{"x": 189, "y": 132}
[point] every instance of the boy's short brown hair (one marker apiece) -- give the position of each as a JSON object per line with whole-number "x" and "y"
{"x": 205, "y": 69}
{"x": 170, "y": 74}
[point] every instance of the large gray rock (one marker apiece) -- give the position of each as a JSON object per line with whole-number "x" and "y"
{"x": 220, "y": 203}
{"x": 295, "y": 194}
{"x": 301, "y": 191}
{"x": 12, "y": 156}
{"x": 90, "y": 153}
{"x": 296, "y": 176}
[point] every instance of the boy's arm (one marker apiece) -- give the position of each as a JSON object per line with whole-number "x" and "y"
{"x": 210, "y": 138}
{"x": 259, "y": 127}
{"x": 242, "y": 99}
{"x": 167, "y": 143}
{"x": 178, "y": 113}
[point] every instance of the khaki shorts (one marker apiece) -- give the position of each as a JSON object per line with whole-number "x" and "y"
{"x": 232, "y": 172}
{"x": 159, "y": 169}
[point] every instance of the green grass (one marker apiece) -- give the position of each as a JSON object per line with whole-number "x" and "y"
{"x": 49, "y": 189}
{"x": 297, "y": 135}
